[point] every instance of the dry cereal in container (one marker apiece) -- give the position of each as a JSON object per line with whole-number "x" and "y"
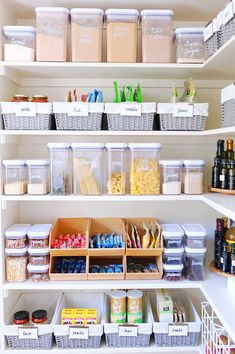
{"x": 16, "y": 264}
{"x": 15, "y": 182}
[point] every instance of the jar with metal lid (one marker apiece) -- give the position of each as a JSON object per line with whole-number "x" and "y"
{"x": 15, "y": 177}
{"x": 16, "y": 264}
{"x": 40, "y": 99}
{"x": 20, "y": 98}
{"x": 39, "y": 317}
{"x": 38, "y": 256}
{"x": 38, "y": 235}
{"x": 37, "y": 177}
{"x": 21, "y": 318}
{"x": 16, "y": 235}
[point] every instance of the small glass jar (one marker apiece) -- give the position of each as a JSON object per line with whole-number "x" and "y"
{"x": 38, "y": 273}
{"x": 16, "y": 264}
{"x": 16, "y": 236}
{"x": 190, "y": 45}
{"x": 38, "y": 256}
{"x": 15, "y": 177}
{"x": 88, "y": 168}
{"x": 60, "y": 169}
{"x": 196, "y": 235}
{"x": 21, "y": 318}
{"x": 173, "y": 256}
{"x": 40, "y": 317}
{"x": 117, "y": 168}
{"x": 171, "y": 176}
{"x": 195, "y": 263}
{"x": 144, "y": 169}
{"x": 173, "y": 236}
{"x": 193, "y": 179}
{"x": 173, "y": 272}
{"x": 20, "y": 98}
{"x": 37, "y": 177}
{"x": 40, "y": 99}
{"x": 38, "y": 235}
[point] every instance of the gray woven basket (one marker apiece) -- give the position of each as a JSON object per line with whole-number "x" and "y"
{"x": 228, "y": 31}
{"x": 118, "y": 122}
{"x": 116, "y": 341}
{"x": 164, "y": 340}
{"x": 213, "y": 43}
{"x": 44, "y": 342}
{"x": 63, "y": 342}
{"x": 40, "y": 122}
{"x": 228, "y": 113}
{"x": 65, "y": 122}
{"x": 168, "y": 122}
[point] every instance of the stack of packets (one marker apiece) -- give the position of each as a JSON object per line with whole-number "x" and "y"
{"x": 70, "y": 265}
{"x": 107, "y": 241}
{"x": 169, "y": 311}
{"x": 150, "y": 239}
{"x": 78, "y": 316}
{"x": 112, "y": 268}
{"x": 142, "y": 268}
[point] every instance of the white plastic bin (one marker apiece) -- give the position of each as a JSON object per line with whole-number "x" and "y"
{"x": 193, "y": 179}
{"x": 16, "y": 235}
{"x": 116, "y": 181}
{"x": 173, "y": 235}
{"x": 38, "y": 235}
{"x": 171, "y": 176}
{"x": 190, "y": 45}
{"x": 196, "y": 235}
{"x": 37, "y": 177}
{"x": 15, "y": 182}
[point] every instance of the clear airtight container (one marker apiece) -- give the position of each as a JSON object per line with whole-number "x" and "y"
{"x": 193, "y": 172}
{"x": 172, "y": 272}
{"x": 122, "y": 26}
{"x": 16, "y": 264}
{"x": 171, "y": 176}
{"x": 37, "y": 177}
{"x": 38, "y": 272}
{"x": 157, "y": 40}
{"x": 38, "y": 256}
{"x": 38, "y": 235}
{"x": 196, "y": 235}
{"x": 60, "y": 168}
{"x": 117, "y": 168}
{"x": 190, "y": 45}
{"x": 19, "y": 43}
{"x": 87, "y": 32}
{"x": 173, "y": 256}
{"x": 16, "y": 235}
{"x": 15, "y": 177}
{"x": 144, "y": 169}
{"x": 195, "y": 263}
{"x": 52, "y": 27}
{"x": 88, "y": 168}
{"x": 173, "y": 235}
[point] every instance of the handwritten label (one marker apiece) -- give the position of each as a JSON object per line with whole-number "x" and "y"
{"x": 228, "y": 13}
{"x": 234, "y": 6}
{"x": 25, "y": 109}
{"x": 220, "y": 19}
{"x": 177, "y": 330}
{"x": 79, "y": 109}
{"x": 183, "y": 110}
{"x": 28, "y": 333}
{"x": 215, "y": 25}
{"x": 76, "y": 332}
{"x": 131, "y": 109}
{"x": 208, "y": 32}
{"x": 128, "y": 331}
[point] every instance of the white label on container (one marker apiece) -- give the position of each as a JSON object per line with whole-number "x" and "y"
{"x": 79, "y": 109}
{"x": 28, "y": 333}
{"x": 222, "y": 178}
{"x": 215, "y": 25}
{"x": 183, "y": 110}
{"x": 220, "y": 19}
{"x": 208, "y": 32}
{"x": 177, "y": 330}
{"x": 77, "y": 332}
{"x": 131, "y": 109}
{"x": 234, "y": 6}
{"x": 233, "y": 263}
{"x": 128, "y": 331}
{"x": 221, "y": 260}
{"x": 228, "y": 13}
{"x": 25, "y": 109}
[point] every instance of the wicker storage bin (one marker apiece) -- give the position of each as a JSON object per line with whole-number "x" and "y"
{"x": 144, "y": 330}
{"x": 162, "y": 334}
{"x": 78, "y": 115}
{"x": 212, "y": 37}
{"x": 228, "y": 106}
{"x": 183, "y": 116}
{"x": 130, "y": 116}
{"x": 65, "y": 339}
{"x": 228, "y": 28}
{"x": 32, "y": 302}
{"x": 27, "y": 116}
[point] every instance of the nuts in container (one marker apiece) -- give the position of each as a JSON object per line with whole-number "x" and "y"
{"x": 38, "y": 235}
{"x": 15, "y": 235}
{"x": 38, "y": 272}
{"x": 16, "y": 264}
{"x": 38, "y": 256}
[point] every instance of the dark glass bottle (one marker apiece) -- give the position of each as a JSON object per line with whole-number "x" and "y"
{"x": 230, "y": 151}
{"x": 225, "y": 227}
{"x": 231, "y": 175}
{"x": 215, "y": 183}
{"x": 224, "y": 258}
{"x": 220, "y": 153}
{"x": 232, "y": 260}
{"x": 223, "y": 174}
{"x": 219, "y": 235}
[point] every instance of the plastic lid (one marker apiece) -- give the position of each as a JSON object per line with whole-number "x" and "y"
{"x": 38, "y": 251}
{"x": 17, "y": 230}
{"x": 39, "y": 314}
{"x": 195, "y": 250}
{"x": 125, "y": 12}
{"x": 188, "y": 30}
{"x": 87, "y": 146}
{"x": 157, "y": 13}
{"x": 150, "y": 146}
{"x": 173, "y": 267}
{"x": 173, "y": 250}
{"x": 172, "y": 230}
{"x": 39, "y": 230}
{"x": 52, "y": 9}
{"x": 58, "y": 146}
{"x": 192, "y": 163}
{"x": 88, "y": 11}
{"x": 134, "y": 294}
{"x": 194, "y": 230}
{"x": 37, "y": 162}
{"x": 119, "y": 294}
{"x": 14, "y": 162}
{"x": 171, "y": 163}
{"x": 16, "y": 251}
{"x": 21, "y": 315}
{"x": 19, "y": 29}
{"x": 115, "y": 146}
{"x": 38, "y": 268}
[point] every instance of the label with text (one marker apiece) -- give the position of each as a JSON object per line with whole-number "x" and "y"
{"x": 220, "y": 19}
{"x": 178, "y": 330}
{"x": 79, "y": 109}
{"x": 25, "y": 109}
{"x": 131, "y": 109}
{"x": 78, "y": 332}
{"x": 183, "y": 110}
{"x": 128, "y": 331}
{"x": 228, "y": 13}
{"x": 208, "y": 32}
{"x": 28, "y": 333}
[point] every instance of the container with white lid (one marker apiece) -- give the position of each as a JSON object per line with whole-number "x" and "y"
{"x": 16, "y": 264}
{"x": 144, "y": 169}
{"x": 37, "y": 177}
{"x": 195, "y": 263}
{"x": 38, "y": 235}
{"x": 15, "y": 182}
{"x": 122, "y": 25}
{"x": 86, "y": 32}
{"x": 173, "y": 235}
{"x": 38, "y": 273}
{"x": 157, "y": 38}
{"x": 52, "y": 26}
{"x": 196, "y": 235}
{"x": 173, "y": 256}
{"x": 15, "y": 235}
{"x": 171, "y": 171}
{"x": 193, "y": 179}
{"x": 38, "y": 256}
{"x": 190, "y": 45}
{"x": 88, "y": 168}
{"x": 172, "y": 272}
{"x": 116, "y": 181}
{"x": 19, "y": 43}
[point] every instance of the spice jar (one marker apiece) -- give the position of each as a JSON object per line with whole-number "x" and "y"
{"x": 38, "y": 235}
{"x": 39, "y": 99}
{"x": 173, "y": 256}
{"x": 16, "y": 264}
{"x": 196, "y": 235}
{"x": 21, "y": 318}
{"x": 38, "y": 256}
{"x": 38, "y": 273}
{"x": 20, "y": 98}
{"x": 15, "y": 235}
{"x": 39, "y": 317}
{"x": 15, "y": 177}
{"x": 37, "y": 177}
{"x": 193, "y": 176}
{"x": 195, "y": 263}
{"x": 117, "y": 168}
{"x": 173, "y": 235}
{"x": 171, "y": 176}
{"x": 172, "y": 272}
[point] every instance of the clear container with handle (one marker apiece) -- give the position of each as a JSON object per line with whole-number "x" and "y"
{"x": 171, "y": 171}
{"x": 116, "y": 182}
{"x": 157, "y": 40}
{"x": 16, "y": 264}
{"x": 19, "y": 43}
{"x": 16, "y": 235}
{"x": 37, "y": 176}
{"x": 60, "y": 168}
{"x": 144, "y": 169}
{"x": 190, "y": 45}
{"x": 88, "y": 168}
{"x": 87, "y": 33}
{"x": 15, "y": 177}
{"x": 193, "y": 172}
{"x": 122, "y": 26}
{"x": 52, "y": 27}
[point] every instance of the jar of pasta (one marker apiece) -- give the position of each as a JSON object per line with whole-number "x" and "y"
{"x": 144, "y": 169}
{"x": 116, "y": 182}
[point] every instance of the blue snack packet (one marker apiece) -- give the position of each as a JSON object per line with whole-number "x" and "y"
{"x": 58, "y": 265}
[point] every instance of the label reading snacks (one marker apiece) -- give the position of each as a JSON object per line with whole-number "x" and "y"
{"x": 79, "y": 109}
{"x": 183, "y": 110}
{"x": 25, "y": 109}
{"x": 131, "y": 109}
{"x": 128, "y": 331}
{"x": 177, "y": 330}
{"x": 77, "y": 332}
{"x": 28, "y": 333}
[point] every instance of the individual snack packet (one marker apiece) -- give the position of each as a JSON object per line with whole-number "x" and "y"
{"x": 146, "y": 237}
